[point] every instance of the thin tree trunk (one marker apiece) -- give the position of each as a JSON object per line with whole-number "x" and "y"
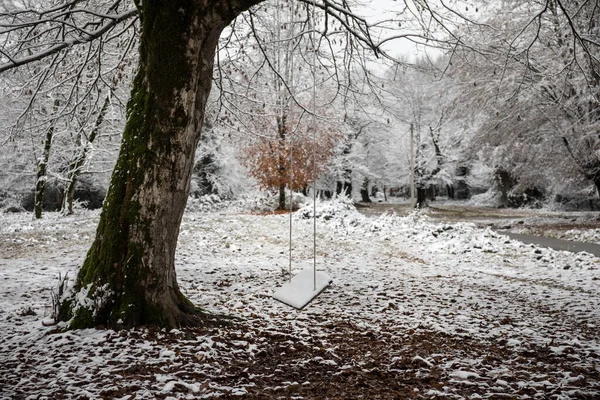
{"x": 42, "y": 169}
{"x": 129, "y": 274}
{"x": 281, "y": 203}
{"x": 364, "y": 191}
{"x": 344, "y": 186}
{"x": 79, "y": 161}
{"x": 347, "y": 191}
{"x": 41, "y": 176}
{"x": 421, "y": 197}
{"x": 283, "y": 160}
{"x": 450, "y": 190}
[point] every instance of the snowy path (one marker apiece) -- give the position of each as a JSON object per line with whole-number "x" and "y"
{"x": 417, "y": 309}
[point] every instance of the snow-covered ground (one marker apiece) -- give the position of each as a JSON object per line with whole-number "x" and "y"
{"x": 417, "y": 309}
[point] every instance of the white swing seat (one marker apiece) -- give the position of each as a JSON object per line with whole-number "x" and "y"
{"x": 300, "y": 290}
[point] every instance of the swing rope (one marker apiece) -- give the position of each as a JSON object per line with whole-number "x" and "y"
{"x": 291, "y": 200}
{"x": 314, "y": 123}
{"x": 297, "y": 292}
{"x": 314, "y": 160}
{"x": 291, "y": 157}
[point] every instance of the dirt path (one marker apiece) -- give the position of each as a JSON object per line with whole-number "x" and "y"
{"x": 556, "y": 244}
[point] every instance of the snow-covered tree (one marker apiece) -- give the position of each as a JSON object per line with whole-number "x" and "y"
{"x": 268, "y": 94}
{"x": 537, "y": 80}
{"x": 68, "y": 104}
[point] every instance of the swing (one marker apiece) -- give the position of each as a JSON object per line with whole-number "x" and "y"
{"x": 305, "y": 286}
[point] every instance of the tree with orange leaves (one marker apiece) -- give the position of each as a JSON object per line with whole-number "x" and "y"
{"x": 289, "y": 159}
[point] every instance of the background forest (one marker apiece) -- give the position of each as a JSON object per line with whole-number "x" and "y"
{"x": 504, "y": 108}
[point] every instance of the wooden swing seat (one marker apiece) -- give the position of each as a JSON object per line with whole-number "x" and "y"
{"x": 300, "y": 290}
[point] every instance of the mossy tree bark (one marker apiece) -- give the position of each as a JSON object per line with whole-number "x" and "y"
{"x": 128, "y": 277}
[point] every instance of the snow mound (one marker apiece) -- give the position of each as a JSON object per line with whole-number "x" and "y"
{"x": 215, "y": 203}
{"x": 337, "y": 208}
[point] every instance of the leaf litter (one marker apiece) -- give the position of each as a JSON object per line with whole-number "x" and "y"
{"x": 418, "y": 309}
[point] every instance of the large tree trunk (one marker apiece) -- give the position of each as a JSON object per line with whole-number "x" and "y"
{"x": 129, "y": 275}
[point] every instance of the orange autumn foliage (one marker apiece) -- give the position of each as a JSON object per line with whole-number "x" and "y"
{"x": 268, "y": 158}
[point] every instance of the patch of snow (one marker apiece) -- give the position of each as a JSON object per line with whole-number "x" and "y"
{"x": 459, "y": 374}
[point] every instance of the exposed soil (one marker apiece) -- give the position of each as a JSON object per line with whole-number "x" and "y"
{"x": 342, "y": 362}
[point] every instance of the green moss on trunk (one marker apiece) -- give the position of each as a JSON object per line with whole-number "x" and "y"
{"x": 128, "y": 276}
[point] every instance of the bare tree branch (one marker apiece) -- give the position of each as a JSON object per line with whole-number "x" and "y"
{"x": 108, "y": 21}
